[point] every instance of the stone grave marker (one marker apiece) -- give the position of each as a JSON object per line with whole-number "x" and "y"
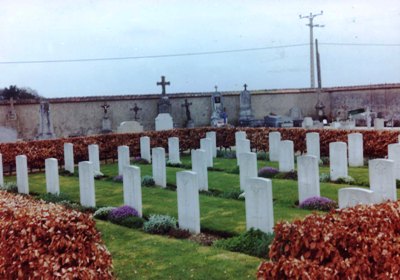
{"x": 308, "y": 177}
{"x": 199, "y": 165}
{"x": 145, "y": 148}
{"x": 213, "y": 136}
{"x": 247, "y": 167}
{"x": 349, "y": 197}
{"x": 8, "y": 135}
{"x": 86, "y": 184}
{"x": 173, "y": 150}
{"x": 259, "y": 205}
{"x": 381, "y": 178}
{"x": 243, "y": 146}
{"x": 22, "y": 174}
{"x": 123, "y": 158}
{"x": 356, "y": 150}
{"x": 274, "y": 139}
{"x": 69, "y": 157}
{"x": 129, "y": 127}
{"x": 52, "y": 179}
{"x": 286, "y": 156}
{"x": 206, "y": 145}
{"x": 313, "y": 144}
{"x": 394, "y": 154}
{"x": 188, "y": 201}
{"x": 240, "y": 135}
{"x": 158, "y": 167}
{"x": 94, "y": 158}
{"x": 164, "y": 122}
{"x": 379, "y": 123}
{"x": 132, "y": 188}
{"x": 338, "y": 160}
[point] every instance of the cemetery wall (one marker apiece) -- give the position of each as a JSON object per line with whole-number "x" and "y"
{"x": 80, "y": 116}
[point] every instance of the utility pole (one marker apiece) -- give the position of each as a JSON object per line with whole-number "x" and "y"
{"x": 312, "y": 25}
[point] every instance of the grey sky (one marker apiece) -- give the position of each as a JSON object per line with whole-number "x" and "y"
{"x": 54, "y": 30}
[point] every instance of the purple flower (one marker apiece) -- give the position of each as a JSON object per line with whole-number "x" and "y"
{"x": 318, "y": 203}
{"x": 122, "y": 212}
{"x": 118, "y": 178}
{"x": 267, "y": 172}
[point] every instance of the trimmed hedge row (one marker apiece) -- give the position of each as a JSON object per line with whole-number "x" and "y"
{"x": 375, "y": 142}
{"x": 361, "y": 242}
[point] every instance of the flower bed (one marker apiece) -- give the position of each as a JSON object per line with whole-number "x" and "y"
{"x": 362, "y": 242}
{"x": 47, "y": 241}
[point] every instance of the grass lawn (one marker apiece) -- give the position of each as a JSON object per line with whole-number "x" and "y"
{"x": 138, "y": 255}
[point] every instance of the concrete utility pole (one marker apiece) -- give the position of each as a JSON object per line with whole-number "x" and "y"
{"x": 311, "y": 25}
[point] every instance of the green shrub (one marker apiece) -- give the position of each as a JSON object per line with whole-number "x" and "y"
{"x": 262, "y": 156}
{"x": 148, "y": 181}
{"x": 76, "y": 206}
{"x": 102, "y": 213}
{"x": 174, "y": 164}
{"x": 226, "y": 154}
{"x": 345, "y": 180}
{"x": 159, "y": 224}
{"x": 53, "y": 198}
{"x": 10, "y": 187}
{"x": 252, "y": 242}
{"x": 236, "y": 194}
{"x": 291, "y": 175}
{"x": 235, "y": 170}
{"x": 130, "y": 222}
{"x": 324, "y": 178}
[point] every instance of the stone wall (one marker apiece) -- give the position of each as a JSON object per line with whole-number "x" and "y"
{"x": 83, "y": 115}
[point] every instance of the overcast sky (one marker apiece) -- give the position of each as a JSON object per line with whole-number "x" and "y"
{"x": 47, "y": 30}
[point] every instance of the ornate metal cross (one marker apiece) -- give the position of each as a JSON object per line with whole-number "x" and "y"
{"x": 105, "y": 107}
{"x": 163, "y": 83}
{"x": 186, "y": 105}
{"x": 136, "y": 109}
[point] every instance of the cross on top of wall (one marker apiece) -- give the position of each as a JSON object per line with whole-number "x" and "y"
{"x": 245, "y": 86}
{"x": 216, "y": 88}
{"x": 163, "y": 83}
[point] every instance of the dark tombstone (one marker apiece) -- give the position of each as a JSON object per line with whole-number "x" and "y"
{"x": 189, "y": 122}
{"x": 246, "y": 115}
{"x": 164, "y": 105}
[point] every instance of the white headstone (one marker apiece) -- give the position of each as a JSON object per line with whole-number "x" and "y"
{"x": 379, "y": 123}
{"x": 22, "y": 174}
{"x": 274, "y": 139}
{"x": 145, "y": 148}
{"x": 356, "y": 150}
{"x": 86, "y": 184}
{"x": 243, "y": 146}
{"x": 69, "y": 157}
{"x": 173, "y": 150}
{"x": 94, "y": 158}
{"x": 52, "y": 179}
{"x": 188, "y": 201}
{"x": 286, "y": 156}
{"x": 381, "y": 178}
{"x": 394, "y": 154}
{"x": 240, "y": 135}
{"x": 164, "y": 122}
{"x": 313, "y": 145}
{"x": 123, "y": 158}
{"x": 1, "y": 171}
{"x": 213, "y": 136}
{"x": 158, "y": 166}
{"x": 206, "y": 145}
{"x": 349, "y": 197}
{"x": 259, "y": 207}
{"x": 308, "y": 177}
{"x": 132, "y": 188}
{"x": 199, "y": 165}
{"x": 307, "y": 122}
{"x": 129, "y": 127}
{"x": 338, "y": 160}
{"x": 248, "y": 168}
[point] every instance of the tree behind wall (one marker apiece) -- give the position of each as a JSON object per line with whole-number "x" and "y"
{"x": 18, "y": 93}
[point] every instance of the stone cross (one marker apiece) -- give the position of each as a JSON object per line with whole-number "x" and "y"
{"x": 245, "y": 86}
{"x": 216, "y": 88}
{"x": 136, "y": 109}
{"x": 187, "y": 105}
{"x": 163, "y": 83}
{"x": 105, "y": 107}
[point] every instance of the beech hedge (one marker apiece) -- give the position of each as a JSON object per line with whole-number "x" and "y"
{"x": 46, "y": 241}
{"x": 375, "y": 142}
{"x": 361, "y": 242}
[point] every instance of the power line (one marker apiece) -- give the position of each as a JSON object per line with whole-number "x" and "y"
{"x": 189, "y": 53}
{"x": 151, "y": 56}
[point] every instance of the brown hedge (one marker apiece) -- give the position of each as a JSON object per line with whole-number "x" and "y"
{"x": 375, "y": 142}
{"x": 47, "y": 241}
{"x": 362, "y": 242}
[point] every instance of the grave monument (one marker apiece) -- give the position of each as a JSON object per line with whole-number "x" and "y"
{"x": 189, "y": 122}
{"x": 131, "y": 126}
{"x": 246, "y": 114}
{"x": 106, "y": 122}
{"x": 164, "y": 119}
{"x": 45, "y": 125}
{"x": 218, "y": 115}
